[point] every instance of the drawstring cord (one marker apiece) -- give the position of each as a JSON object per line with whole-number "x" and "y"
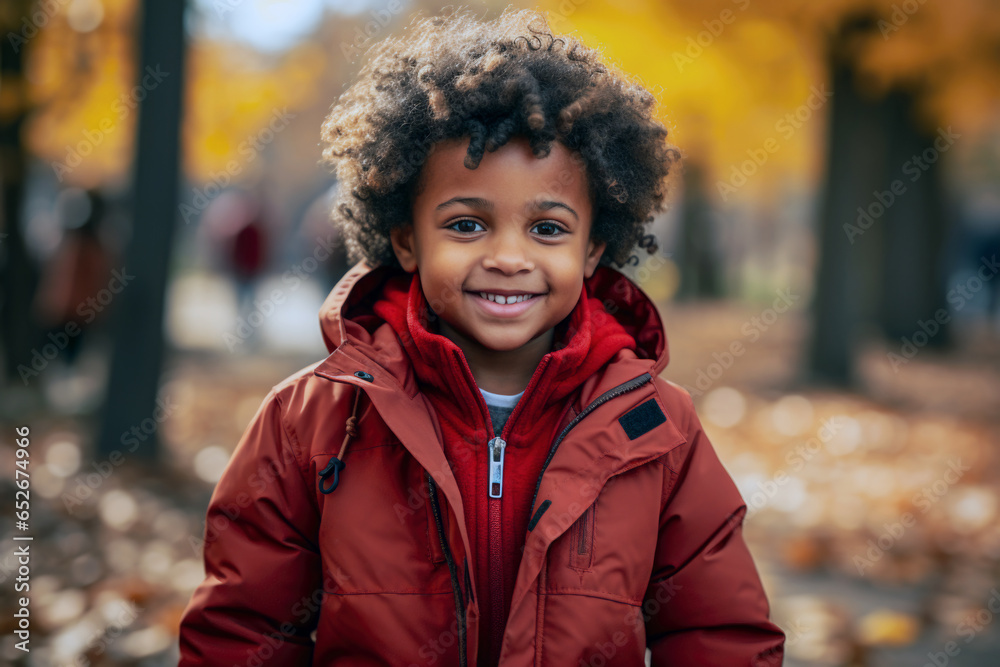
{"x": 336, "y": 463}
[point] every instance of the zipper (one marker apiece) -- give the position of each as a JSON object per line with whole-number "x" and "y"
{"x": 623, "y": 388}
{"x": 580, "y": 557}
{"x": 496, "y": 447}
{"x": 455, "y": 585}
{"x": 582, "y": 535}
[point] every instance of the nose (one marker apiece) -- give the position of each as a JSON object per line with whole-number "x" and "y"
{"x": 507, "y": 251}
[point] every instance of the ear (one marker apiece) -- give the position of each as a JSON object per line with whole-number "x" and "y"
{"x": 594, "y": 252}
{"x": 403, "y": 246}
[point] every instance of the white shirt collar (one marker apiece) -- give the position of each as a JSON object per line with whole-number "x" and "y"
{"x": 501, "y": 400}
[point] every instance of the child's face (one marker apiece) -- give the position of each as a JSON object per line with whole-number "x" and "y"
{"x": 516, "y": 224}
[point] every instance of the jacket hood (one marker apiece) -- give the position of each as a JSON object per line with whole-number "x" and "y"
{"x": 375, "y": 309}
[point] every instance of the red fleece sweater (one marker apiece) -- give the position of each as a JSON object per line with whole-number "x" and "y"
{"x": 583, "y": 342}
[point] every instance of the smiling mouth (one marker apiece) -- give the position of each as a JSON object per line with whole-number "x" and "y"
{"x": 504, "y": 300}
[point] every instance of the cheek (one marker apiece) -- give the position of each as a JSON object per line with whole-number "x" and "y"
{"x": 439, "y": 297}
{"x": 444, "y": 258}
{"x": 566, "y": 270}
{"x": 442, "y": 288}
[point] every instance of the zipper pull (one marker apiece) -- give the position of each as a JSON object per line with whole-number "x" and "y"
{"x": 497, "y": 446}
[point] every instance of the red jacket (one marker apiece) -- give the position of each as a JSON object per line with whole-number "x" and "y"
{"x": 588, "y": 339}
{"x": 617, "y": 528}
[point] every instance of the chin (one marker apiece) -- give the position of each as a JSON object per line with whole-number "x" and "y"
{"x": 502, "y": 345}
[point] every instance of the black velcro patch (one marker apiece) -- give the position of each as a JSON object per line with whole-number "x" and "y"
{"x": 642, "y": 419}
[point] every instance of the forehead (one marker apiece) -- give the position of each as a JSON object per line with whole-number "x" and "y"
{"x": 510, "y": 175}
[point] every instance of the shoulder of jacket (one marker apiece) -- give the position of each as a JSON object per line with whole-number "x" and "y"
{"x": 304, "y": 387}
{"x": 300, "y": 390}
{"x": 298, "y": 377}
{"x": 677, "y": 401}
{"x": 305, "y": 395}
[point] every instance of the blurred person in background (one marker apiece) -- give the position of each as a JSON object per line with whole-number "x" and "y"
{"x": 247, "y": 254}
{"x": 68, "y": 301}
{"x": 237, "y": 224}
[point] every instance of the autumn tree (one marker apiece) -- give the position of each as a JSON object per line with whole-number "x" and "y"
{"x": 905, "y": 81}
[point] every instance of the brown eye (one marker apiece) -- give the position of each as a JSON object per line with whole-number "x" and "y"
{"x": 551, "y": 229}
{"x": 466, "y": 222}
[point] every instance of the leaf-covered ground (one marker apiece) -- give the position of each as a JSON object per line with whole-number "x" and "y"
{"x": 872, "y": 515}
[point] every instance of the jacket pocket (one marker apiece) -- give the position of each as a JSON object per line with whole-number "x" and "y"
{"x": 581, "y": 551}
{"x": 434, "y": 551}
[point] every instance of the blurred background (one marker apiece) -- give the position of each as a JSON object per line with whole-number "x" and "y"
{"x": 827, "y": 275}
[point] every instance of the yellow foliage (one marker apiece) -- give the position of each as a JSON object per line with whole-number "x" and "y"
{"x": 230, "y": 100}
{"x": 724, "y": 87}
{"x": 732, "y": 74}
{"x": 83, "y": 87}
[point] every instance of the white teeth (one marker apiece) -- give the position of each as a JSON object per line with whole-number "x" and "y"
{"x": 499, "y": 298}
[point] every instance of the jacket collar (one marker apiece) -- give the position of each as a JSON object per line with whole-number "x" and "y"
{"x": 584, "y": 342}
{"x": 371, "y": 322}
{"x": 612, "y": 304}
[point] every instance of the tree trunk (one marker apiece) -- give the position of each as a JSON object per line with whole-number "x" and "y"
{"x": 18, "y": 272}
{"x": 913, "y": 282}
{"x": 855, "y": 166}
{"x": 132, "y": 415}
{"x": 700, "y": 263}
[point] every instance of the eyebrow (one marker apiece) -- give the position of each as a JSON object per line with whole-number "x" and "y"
{"x": 487, "y": 205}
{"x": 471, "y": 202}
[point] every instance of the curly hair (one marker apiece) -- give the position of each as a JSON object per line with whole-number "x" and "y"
{"x": 456, "y": 76}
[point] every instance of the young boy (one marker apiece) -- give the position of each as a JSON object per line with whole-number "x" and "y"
{"x": 488, "y": 468}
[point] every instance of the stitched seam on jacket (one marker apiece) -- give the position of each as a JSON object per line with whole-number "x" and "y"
{"x": 540, "y": 617}
{"x": 293, "y": 442}
{"x": 421, "y": 593}
{"x": 669, "y": 458}
{"x": 685, "y": 396}
{"x": 364, "y": 361}
{"x": 352, "y": 448}
{"x": 288, "y": 440}
{"x": 669, "y": 482}
{"x": 610, "y": 597}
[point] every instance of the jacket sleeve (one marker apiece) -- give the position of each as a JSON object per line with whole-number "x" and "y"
{"x": 263, "y": 584}
{"x": 705, "y": 604}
